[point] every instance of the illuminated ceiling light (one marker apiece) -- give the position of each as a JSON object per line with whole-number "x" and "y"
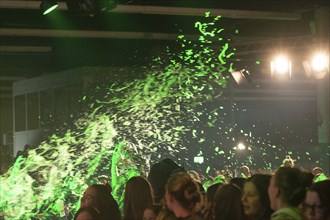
{"x": 241, "y": 146}
{"x": 320, "y": 62}
{"x": 281, "y": 66}
{"x": 318, "y": 66}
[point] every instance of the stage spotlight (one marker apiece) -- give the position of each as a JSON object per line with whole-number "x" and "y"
{"x": 238, "y": 77}
{"x": 317, "y": 66}
{"x": 241, "y": 146}
{"x": 47, "y": 6}
{"x": 320, "y": 62}
{"x": 280, "y": 66}
{"x": 241, "y": 76}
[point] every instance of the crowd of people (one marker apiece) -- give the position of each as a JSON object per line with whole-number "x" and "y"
{"x": 171, "y": 193}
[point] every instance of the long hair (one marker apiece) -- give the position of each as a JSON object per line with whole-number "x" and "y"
{"x": 105, "y": 202}
{"x": 227, "y": 203}
{"x": 185, "y": 190}
{"x": 211, "y": 191}
{"x": 138, "y": 195}
{"x": 159, "y": 174}
{"x": 261, "y": 182}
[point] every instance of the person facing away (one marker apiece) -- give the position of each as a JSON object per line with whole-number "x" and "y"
{"x": 227, "y": 203}
{"x": 255, "y": 197}
{"x": 99, "y": 196}
{"x": 182, "y": 196}
{"x": 159, "y": 174}
{"x": 317, "y": 201}
{"x": 138, "y": 195}
{"x": 211, "y": 191}
{"x": 286, "y": 192}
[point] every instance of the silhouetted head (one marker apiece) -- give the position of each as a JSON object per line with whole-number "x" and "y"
{"x": 99, "y": 196}
{"x": 227, "y": 203}
{"x": 138, "y": 195}
{"x": 288, "y": 187}
{"x": 159, "y": 174}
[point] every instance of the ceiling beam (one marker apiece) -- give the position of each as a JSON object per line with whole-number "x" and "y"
{"x": 213, "y": 12}
{"x": 36, "y": 49}
{"x": 21, "y": 32}
{"x": 11, "y": 78}
{"x": 165, "y": 10}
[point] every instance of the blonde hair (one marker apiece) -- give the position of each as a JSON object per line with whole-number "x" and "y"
{"x": 184, "y": 189}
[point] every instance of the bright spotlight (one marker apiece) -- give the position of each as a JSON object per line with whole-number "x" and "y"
{"x": 317, "y": 66}
{"x": 47, "y": 6}
{"x": 320, "y": 62}
{"x": 281, "y": 65}
{"x": 241, "y": 146}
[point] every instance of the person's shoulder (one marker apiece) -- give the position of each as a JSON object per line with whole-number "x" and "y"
{"x": 197, "y": 217}
{"x": 287, "y": 214}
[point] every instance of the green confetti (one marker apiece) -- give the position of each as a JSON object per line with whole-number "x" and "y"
{"x": 132, "y": 120}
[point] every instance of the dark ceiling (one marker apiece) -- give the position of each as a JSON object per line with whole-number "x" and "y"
{"x": 133, "y": 32}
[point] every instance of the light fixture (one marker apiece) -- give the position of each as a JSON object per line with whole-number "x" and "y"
{"x": 241, "y": 146}
{"x": 319, "y": 62}
{"x": 280, "y": 66}
{"x": 241, "y": 76}
{"x": 47, "y": 6}
{"x": 238, "y": 77}
{"x": 317, "y": 65}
